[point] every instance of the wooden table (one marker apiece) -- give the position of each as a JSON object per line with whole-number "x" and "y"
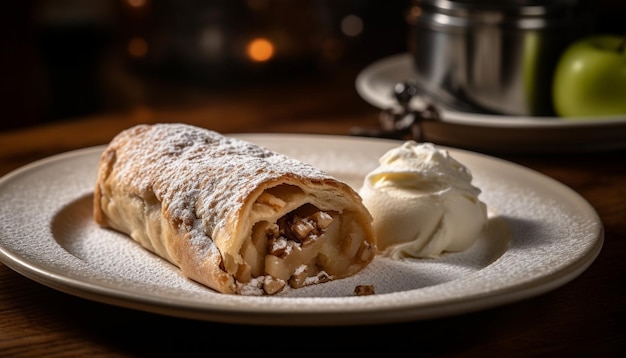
{"x": 582, "y": 318}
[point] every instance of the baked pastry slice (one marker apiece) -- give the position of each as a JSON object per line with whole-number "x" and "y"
{"x": 231, "y": 215}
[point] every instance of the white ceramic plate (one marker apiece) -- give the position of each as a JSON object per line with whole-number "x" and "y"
{"x": 540, "y": 236}
{"x": 492, "y": 132}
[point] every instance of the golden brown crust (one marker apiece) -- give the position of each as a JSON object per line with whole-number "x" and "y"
{"x": 194, "y": 197}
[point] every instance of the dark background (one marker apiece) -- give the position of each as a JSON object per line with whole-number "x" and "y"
{"x": 63, "y": 59}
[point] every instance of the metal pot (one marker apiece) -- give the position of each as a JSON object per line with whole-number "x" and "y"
{"x": 493, "y": 56}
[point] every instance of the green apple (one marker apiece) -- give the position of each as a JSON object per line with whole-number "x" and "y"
{"x": 590, "y": 78}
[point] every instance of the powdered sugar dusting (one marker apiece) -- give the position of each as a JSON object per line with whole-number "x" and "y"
{"x": 200, "y": 175}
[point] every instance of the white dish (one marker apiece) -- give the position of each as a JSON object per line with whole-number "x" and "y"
{"x": 541, "y": 235}
{"x": 492, "y": 132}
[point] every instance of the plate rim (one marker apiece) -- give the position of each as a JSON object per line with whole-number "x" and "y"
{"x": 248, "y": 315}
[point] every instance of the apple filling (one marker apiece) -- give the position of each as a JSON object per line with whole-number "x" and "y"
{"x": 302, "y": 247}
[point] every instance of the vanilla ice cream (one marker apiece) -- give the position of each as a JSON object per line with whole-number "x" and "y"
{"x": 423, "y": 202}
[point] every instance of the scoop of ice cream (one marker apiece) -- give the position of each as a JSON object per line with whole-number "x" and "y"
{"x": 423, "y": 202}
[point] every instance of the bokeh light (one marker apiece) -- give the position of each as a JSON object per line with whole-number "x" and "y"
{"x": 137, "y": 47}
{"x": 260, "y": 50}
{"x": 137, "y": 3}
{"x": 352, "y": 25}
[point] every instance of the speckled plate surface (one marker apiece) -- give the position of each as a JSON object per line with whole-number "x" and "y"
{"x": 540, "y": 236}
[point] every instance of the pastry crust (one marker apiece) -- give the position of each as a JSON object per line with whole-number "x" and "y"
{"x": 231, "y": 215}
